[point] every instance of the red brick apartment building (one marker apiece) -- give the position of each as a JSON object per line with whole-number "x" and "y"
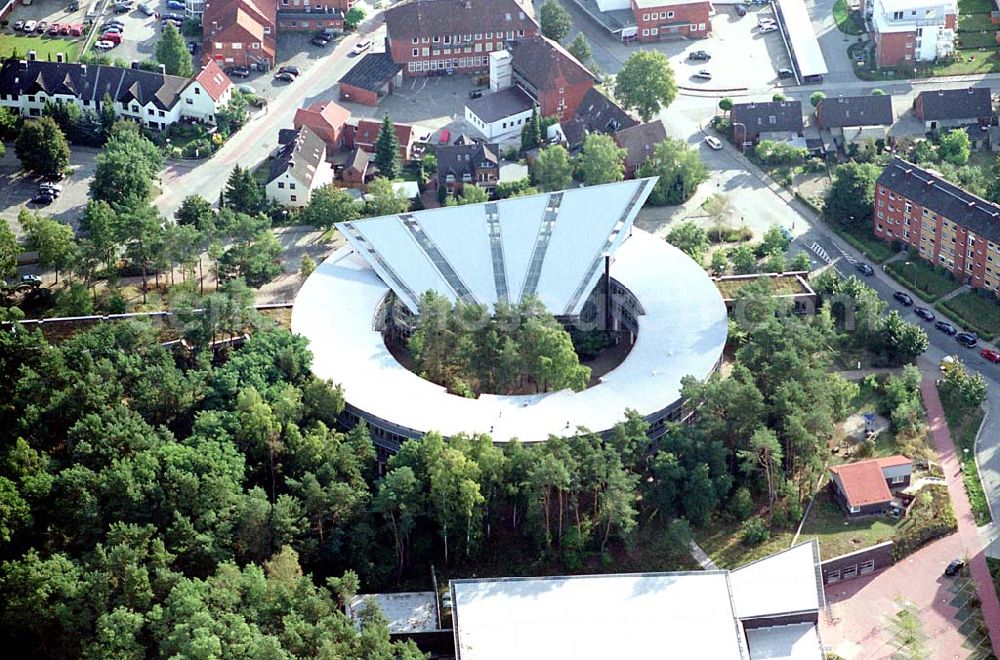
{"x": 944, "y": 224}
{"x": 430, "y": 37}
{"x": 662, "y": 20}
{"x": 553, "y": 78}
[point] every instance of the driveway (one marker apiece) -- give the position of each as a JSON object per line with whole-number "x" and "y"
{"x": 16, "y": 189}
{"x": 832, "y": 41}
{"x": 856, "y": 627}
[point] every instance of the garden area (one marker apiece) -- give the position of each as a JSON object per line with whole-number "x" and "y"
{"x": 864, "y": 240}
{"x": 977, "y": 311}
{"x": 45, "y": 47}
{"x": 926, "y": 280}
{"x": 848, "y": 22}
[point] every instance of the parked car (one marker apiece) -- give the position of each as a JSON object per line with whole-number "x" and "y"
{"x": 113, "y": 37}
{"x": 476, "y": 94}
{"x": 105, "y": 45}
{"x": 785, "y": 73}
{"x": 54, "y": 29}
{"x": 764, "y": 20}
{"x": 122, "y": 9}
{"x": 53, "y": 189}
{"x": 114, "y": 29}
{"x": 57, "y": 176}
{"x": 990, "y": 355}
{"x": 175, "y": 4}
{"x": 29, "y": 26}
{"x": 170, "y": 16}
{"x": 73, "y": 6}
{"x": 115, "y": 21}
{"x": 294, "y": 70}
{"x": 18, "y": 26}
{"x": 967, "y": 339}
{"x": 703, "y": 74}
{"x": 146, "y": 9}
{"x": 319, "y": 41}
{"x": 444, "y": 136}
{"x": 699, "y": 55}
{"x": 924, "y": 313}
{"x": 741, "y": 10}
{"x": 171, "y": 21}
{"x": 34, "y": 281}
{"x": 903, "y": 298}
{"x": 65, "y": 29}
{"x": 192, "y": 46}
{"x": 865, "y": 269}
{"x": 361, "y": 47}
{"x": 284, "y": 76}
{"x": 40, "y": 28}
{"x": 238, "y": 71}
{"x": 246, "y": 89}
{"x": 76, "y": 30}
{"x": 770, "y": 27}
{"x": 713, "y": 142}
{"x": 946, "y": 328}
{"x": 954, "y": 567}
{"x": 43, "y": 199}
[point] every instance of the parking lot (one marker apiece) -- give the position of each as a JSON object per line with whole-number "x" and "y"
{"x": 17, "y": 189}
{"x": 50, "y": 11}
{"x": 141, "y": 31}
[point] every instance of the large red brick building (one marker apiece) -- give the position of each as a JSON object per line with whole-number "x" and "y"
{"x": 429, "y": 37}
{"x": 941, "y": 222}
{"x": 553, "y": 78}
{"x": 662, "y": 20}
{"x": 907, "y": 31}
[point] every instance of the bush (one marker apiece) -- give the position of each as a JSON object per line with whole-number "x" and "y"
{"x": 930, "y": 517}
{"x": 307, "y": 265}
{"x": 741, "y": 504}
{"x": 755, "y": 532}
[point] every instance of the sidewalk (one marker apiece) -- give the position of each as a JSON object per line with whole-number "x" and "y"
{"x": 972, "y": 542}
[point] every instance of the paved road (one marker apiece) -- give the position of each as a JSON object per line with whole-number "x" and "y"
{"x": 254, "y": 142}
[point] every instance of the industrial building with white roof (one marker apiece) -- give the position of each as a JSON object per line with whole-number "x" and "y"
{"x": 556, "y": 246}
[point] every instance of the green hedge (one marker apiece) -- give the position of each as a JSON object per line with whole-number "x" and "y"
{"x": 925, "y": 522}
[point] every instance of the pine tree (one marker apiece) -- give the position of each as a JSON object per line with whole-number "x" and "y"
{"x": 242, "y": 192}
{"x": 387, "y": 149}
{"x": 172, "y": 53}
{"x": 531, "y": 134}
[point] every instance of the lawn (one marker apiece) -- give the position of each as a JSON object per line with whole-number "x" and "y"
{"x": 45, "y": 47}
{"x": 973, "y": 23}
{"x": 963, "y": 422}
{"x": 721, "y": 540}
{"x": 846, "y": 21}
{"x": 865, "y": 241}
{"x": 975, "y": 313}
{"x": 966, "y": 62}
{"x": 974, "y": 7}
{"x": 922, "y": 278}
{"x": 837, "y": 535}
{"x": 975, "y": 40}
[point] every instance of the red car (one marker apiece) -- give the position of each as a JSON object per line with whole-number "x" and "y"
{"x": 990, "y": 354}
{"x": 64, "y": 30}
{"x": 54, "y": 29}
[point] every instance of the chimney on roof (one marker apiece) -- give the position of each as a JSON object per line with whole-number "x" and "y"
{"x": 22, "y": 64}
{"x": 83, "y": 69}
{"x": 134, "y": 65}
{"x": 60, "y": 57}
{"x": 163, "y": 69}
{"x": 31, "y": 55}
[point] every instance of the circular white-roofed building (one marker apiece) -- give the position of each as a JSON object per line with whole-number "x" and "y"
{"x": 555, "y": 246}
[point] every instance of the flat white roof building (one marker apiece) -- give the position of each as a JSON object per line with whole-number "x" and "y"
{"x": 551, "y": 245}
{"x": 692, "y": 615}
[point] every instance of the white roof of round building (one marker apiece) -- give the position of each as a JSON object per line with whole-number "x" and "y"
{"x": 682, "y": 326}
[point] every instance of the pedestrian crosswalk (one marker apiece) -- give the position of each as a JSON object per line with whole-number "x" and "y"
{"x": 820, "y": 252}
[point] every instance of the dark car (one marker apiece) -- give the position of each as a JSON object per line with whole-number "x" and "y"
{"x": 699, "y": 55}
{"x": 50, "y": 188}
{"x": 43, "y": 198}
{"x": 319, "y": 41}
{"x": 294, "y": 70}
{"x": 58, "y": 176}
{"x": 741, "y": 10}
{"x": 73, "y": 6}
{"x": 967, "y": 339}
{"x": 785, "y": 73}
{"x": 172, "y": 17}
{"x": 238, "y": 71}
{"x": 284, "y": 77}
{"x": 34, "y": 281}
{"x": 946, "y": 328}
{"x": 924, "y": 313}
{"x": 475, "y": 94}
{"x": 865, "y": 269}
{"x": 954, "y": 567}
{"x": 122, "y": 9}
{"x": 903, "y": 298}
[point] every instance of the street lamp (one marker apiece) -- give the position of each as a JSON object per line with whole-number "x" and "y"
{"x": 914, "y": 264}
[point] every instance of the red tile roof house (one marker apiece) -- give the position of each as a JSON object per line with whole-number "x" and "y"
{"x": 326, "y": 119}
{"x": 664, "y": 20}
{"x": 866, "y": 488}
{"x": 239, "y": 32}
{"x": 361, "y": 133}
{"x": 432, "y": 36}
{"x": 553, "y": 78}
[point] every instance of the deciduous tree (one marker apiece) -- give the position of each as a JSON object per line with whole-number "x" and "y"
{"x": 679, "y": 169}
{"x": 554, "y": 19}
{"x": 553, "y": 169}
{"x": 600, "y": 160}
{"x": 330, "y": 205}
{"x": 41, "y": 147}
{"x": 645, "y": 83}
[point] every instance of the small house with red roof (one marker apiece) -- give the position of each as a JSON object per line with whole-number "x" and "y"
{"x": 362, "y": 134}
{"x": 326, "y": 119}
{"x": 866, "y": 488}
{"x": 208, "y": 91}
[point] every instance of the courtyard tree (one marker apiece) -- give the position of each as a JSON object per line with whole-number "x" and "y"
{"x": 10, "y": 250}
{"x": 600, "y": 160}
{"x": 531, "y": 132}
{"x": 173, "y": 54}
{"x": 387, "y": 157}
{"x": 126, "y": 168}
{"x": 815, "y": 98}
{"x": 720, "y": 210}
{"x": 41, "y": 147}
{"x": 726, "y": 104}
{"x": 555, "y": 20}
{"x": 580, "y": 49}
{"x": 646, "y": 83}
{"x": 382, "y": 199}
{"x": 851, "y": 197}
{"x": 954, "y": 147}
{"x": 353, "y": 17}
{"x": 690, "y": 239}
{"x": 553, "y": 169}
{"x": 679, "y": 169}
{"x": 744, "y": 260}
{"x": 471, "y": 194}
{"x": 330, "y": 205}
{"x": 53, "y": 240}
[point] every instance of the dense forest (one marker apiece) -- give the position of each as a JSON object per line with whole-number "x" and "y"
{"x": 185, "y": 502}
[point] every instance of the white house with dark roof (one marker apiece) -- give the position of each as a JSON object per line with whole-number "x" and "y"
{"x": 298, "y": 169}
{"x": 501, "y": 115}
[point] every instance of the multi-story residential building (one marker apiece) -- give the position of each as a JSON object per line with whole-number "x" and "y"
{"x": 461, "y": 164}
{"x": 555, "y": 80}
{"x": 151, "y": 98}
{"x": 662, "y": 20}
{"x": 944, "y": 224}
{"x": 911, "y": 31}
{"x": 298, "y": 169}
{"x": 429, "y": 37}
{"x": 951, "y": 108}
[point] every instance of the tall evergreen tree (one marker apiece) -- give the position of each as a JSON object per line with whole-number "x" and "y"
{"x": 172, "y": 53}
{"x": 242, "y": 194}
{"x": 387, "y": 149}
{"x": 531, "y": 134}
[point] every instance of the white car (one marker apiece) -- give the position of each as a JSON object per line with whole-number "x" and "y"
{"x": 361, "y": 46}
{"x": 104, "y": 45}
{"x": 713, "y": 142}
{"x": 703, "y": 74}
{"x": 29, "y": 26}
{"x": 770, "y": 27}
{"x": 764, "y": 20}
